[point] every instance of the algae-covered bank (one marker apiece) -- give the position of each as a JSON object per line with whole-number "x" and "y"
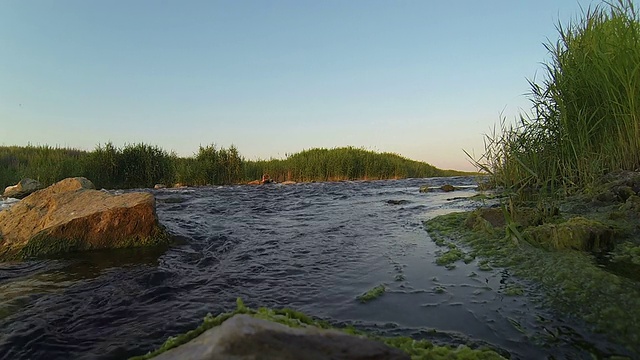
{"x": 567, "y": 170}
{"x": 580, "y": 253}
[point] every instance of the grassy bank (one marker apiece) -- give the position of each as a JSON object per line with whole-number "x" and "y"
{"x": 142, "y": 165}
{"x": 568, "y": 217}
{"x": 585, "y": 118}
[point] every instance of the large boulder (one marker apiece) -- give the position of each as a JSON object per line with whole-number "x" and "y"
{"x": 22, "y": 189}
{"x": 72, "y": 216}
{"x": 244, "y": 337}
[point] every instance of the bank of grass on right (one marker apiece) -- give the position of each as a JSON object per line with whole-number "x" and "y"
{"x": 585, "y": 116}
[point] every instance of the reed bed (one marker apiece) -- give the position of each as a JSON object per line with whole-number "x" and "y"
{"x": 585, "y": 116}
{"x": 142, "y": 166}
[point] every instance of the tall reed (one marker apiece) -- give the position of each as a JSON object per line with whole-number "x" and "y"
{"x": 585, "y": 117}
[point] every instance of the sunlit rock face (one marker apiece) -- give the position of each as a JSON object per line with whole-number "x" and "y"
{"x": 72, "y": 216}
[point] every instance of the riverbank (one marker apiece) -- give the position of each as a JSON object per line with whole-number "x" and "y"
{"x": 581, "y": 252}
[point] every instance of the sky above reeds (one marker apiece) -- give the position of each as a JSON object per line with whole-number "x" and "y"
{"x": 423, "y": 79}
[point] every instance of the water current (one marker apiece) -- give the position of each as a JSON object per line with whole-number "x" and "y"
{"x": 313, "y": 247}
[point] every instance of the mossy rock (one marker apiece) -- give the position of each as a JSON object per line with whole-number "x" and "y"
{"x": 577, "y": 233}
{"x": 632, "y": 204}
{"x": 447, "y": 188}
{"x": 372, "y": 294}
{"x": 487, "y": 218}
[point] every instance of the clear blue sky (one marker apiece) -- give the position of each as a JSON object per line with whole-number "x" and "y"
{"x": 424, "y": 79}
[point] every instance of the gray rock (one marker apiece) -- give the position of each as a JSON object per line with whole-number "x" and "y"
{"x": 22, "y": 189}
{"x": 244, "y": 337}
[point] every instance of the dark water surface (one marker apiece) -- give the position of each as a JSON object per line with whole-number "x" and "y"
{"x": 312, "y": 247}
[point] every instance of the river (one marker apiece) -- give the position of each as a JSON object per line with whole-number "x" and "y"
{"x": 313, "y": 247}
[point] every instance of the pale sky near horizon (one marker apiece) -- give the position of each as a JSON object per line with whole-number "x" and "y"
{"x": 423, "y": 79}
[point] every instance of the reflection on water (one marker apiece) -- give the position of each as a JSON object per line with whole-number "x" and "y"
{"x": 312, "y": 247}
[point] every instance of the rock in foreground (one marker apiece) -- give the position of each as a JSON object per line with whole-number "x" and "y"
{"x": 72, "y": 216}
{"x": 244, "y": 337}
{"x": 22, "y": 189}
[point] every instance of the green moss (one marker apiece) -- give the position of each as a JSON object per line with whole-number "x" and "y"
{"x": 513, "y": 290}
{"x": 417, "y": 349}
{"x": 571, "y": 280}
{"x": 449, "y": 257}
{"x": 372, "y": 294}
{"x": 627, "y": 252}
{"x": 577, "y": 233}
{"x": 44, "y": 245}
{"x": 484, "y": 265}
{"x": 439, "y": 289}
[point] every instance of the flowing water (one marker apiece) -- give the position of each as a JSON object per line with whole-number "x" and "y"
{"x": 312, "y": 247}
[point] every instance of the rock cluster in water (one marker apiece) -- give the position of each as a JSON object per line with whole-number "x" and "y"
{"x": 71, "y": 216}
{"x": 22, "y": 189}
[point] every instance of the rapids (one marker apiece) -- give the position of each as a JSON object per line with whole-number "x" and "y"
{"x": 313, "y": 247}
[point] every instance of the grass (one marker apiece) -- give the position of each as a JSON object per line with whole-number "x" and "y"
{"x": 143, "y": 166}
{"x": 585, "y": 116}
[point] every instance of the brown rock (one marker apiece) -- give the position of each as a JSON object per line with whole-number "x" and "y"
{"x": 22, "y": 189}
{"x": 447, "y": 188}
{"x": 71, "y": 216}
{"x": 244, "y": 337}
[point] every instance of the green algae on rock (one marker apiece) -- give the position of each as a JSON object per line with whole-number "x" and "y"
{"x": 577, "y": 233}
{"x": 372, "y": 294}
{"x": 416, "y": 349}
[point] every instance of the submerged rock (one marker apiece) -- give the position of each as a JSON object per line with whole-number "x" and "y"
{"x": 71, "y": 216}
{"x": 22, "y": 189}
{"x": 246, "y": 337}
{"x": 398, "y": 202}
{"x": 447, "y": 188}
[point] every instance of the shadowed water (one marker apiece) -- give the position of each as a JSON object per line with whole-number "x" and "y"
{"x": 312, "y": 247}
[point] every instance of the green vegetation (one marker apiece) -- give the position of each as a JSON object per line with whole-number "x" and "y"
{"x": 573, "y": 280}
{"x": 142, "y": 165}
{"x": 585, "y": 119}
{"x": 417, "y": 349}
{"x": 372, "y": 294}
